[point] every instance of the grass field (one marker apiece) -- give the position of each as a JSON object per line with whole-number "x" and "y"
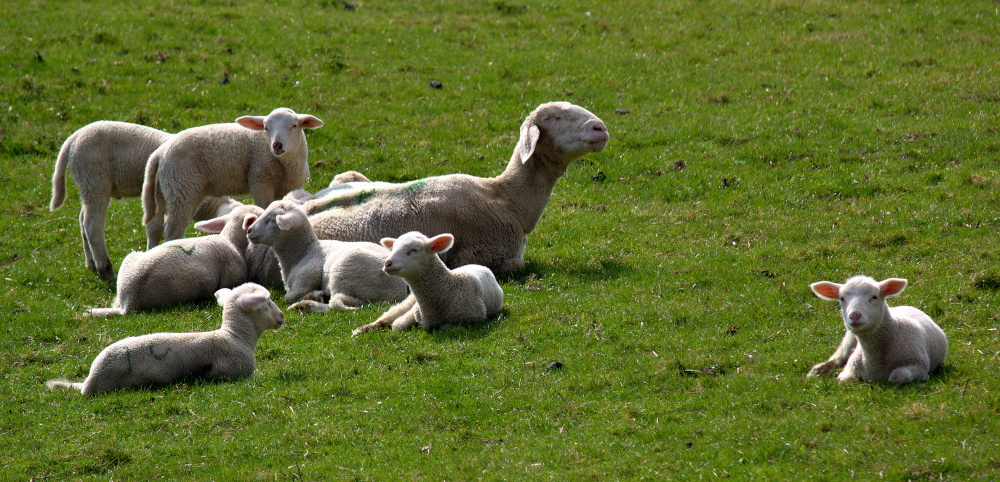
{"x": 755, "y": 148}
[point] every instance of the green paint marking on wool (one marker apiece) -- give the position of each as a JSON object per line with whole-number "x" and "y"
{"x": 188, "y": 252}
{"x": 160, "y": 356}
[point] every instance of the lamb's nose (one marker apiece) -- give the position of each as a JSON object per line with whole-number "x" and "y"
{"x": 277, "y": 147}
{"x": 855, "y": 316}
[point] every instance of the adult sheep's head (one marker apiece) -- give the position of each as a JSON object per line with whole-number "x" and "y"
{"x": 563, "y": 131}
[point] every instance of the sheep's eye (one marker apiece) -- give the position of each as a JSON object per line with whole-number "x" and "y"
{"x": 874, "y": 297}
{"x": 842, "y": 299}
{"x": 411, "y": 252}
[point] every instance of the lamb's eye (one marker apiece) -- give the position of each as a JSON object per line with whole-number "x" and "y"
{"x": 411, "y": 252}
{"x": 842, "y": 299}
{"x": 874, "y": 297}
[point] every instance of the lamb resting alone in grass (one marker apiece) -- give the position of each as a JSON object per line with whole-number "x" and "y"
{"x": 163, "y": 358}
{"x": 187, "y": 269}
{"x": 263, "y": 156}
{"x": 348, "y": 274}
{"x": 899, "y": 344}
{"x": 489, "y": 217}
{"x": 439, "y": 297}
{"x": 107, "y": 159}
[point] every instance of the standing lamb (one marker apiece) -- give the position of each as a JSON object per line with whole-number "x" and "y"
{"x": 164, "y": 358}
{"x": 107, "y": 159}
{"x": 439, "y": 297}
{"x": 348, "y": 274}
{"x": 899, "y": 344}
{"x": 490, "y": 217}
{"x": 263, "y": 156}
{"x": 187, "y": 269}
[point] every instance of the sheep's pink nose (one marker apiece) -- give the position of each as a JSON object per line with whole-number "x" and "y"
{"x": 277, "y": 147}
{"x": 855, "y": 317}
{"x": 388, "y": 264}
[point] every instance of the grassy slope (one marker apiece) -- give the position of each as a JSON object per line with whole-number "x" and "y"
{"x": 765, "y": 147}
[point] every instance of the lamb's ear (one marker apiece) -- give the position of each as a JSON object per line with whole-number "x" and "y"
{"x": 388, "y": 242}
{"x": 287, "y": 221}
{"x": 252, "y": 122}
{"x": 309, "y": 122}
{"x": 529, "y": 137}
{"x": 826, "y": 290}
{"x": 247, "y": 221}
{"x": 891, "y": 287}
{"x": 441, "y": 243}
{"x": 223, "y": 295}
{"x": 254, "y": 301}
{"x": 211, "y": 226}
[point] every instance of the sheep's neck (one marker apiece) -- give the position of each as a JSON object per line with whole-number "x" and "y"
{"x": 432, "y": 288}
{"x": 236, "y": 235}
{"x": 292, "y": 248}
{"x": 527, "y": 186}
{"x": 238, "y": 329}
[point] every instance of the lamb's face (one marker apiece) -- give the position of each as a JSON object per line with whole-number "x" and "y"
{"x": 572, "y": 128}
{"x": 862, "y": 304}
{"x": 283, "y": 127}
{"x": 405, "y": 254}
{"x": 263, "y": 229}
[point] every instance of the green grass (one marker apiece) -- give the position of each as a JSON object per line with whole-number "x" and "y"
{"x": 755, "y": 148}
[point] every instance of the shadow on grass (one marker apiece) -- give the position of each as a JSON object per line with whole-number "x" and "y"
{"x": 594, "y": 270}
{"x": 473, "y": 332}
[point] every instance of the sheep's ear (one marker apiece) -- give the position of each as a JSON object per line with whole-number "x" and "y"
{"x": 891, "y": 287}
{"x": 388, "y": 242}
{"x": 252, "y": 122}
{"x": 441, "y": 243}
{"x": 211, "y": 226}
{"x": 223, "y": 295}
{"x": 249, "y": 220}
{"x": 254, "y": 301}
{"x": 287, "y": 221}
{"x": 826, "y": 290}
{"x": 529, "y": 137}
{"x": 309, "y": 122}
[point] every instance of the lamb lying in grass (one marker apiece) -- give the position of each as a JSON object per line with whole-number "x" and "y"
{"x": 163, "y": 358}
{"x": 187, "y": 269}
{"x": 490, "y": 217}
{"x": 107, "y": 159}
{"x": 439, "y": 297}
{"x": 263, "y": 156}
{"x": 348, "y": 274}
{"x": 899, "y": 344}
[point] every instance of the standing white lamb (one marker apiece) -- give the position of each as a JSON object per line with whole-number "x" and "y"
{"x": 490, "y": 217}
{"x": 163, "y": 358}
{"x": 348, "y": 274}
{"x": 188, "y": 269}
{"x": 263, "y": 156}
{"x": 107, "y": 159}
{"x": 899, "y": 344}
{"x": 439, "y": 297}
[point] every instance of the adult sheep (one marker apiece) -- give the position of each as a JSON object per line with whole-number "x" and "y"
{"x": 263, "y": 156}
{"x": 107, "y": 159}
{"x": 489, "y": 217}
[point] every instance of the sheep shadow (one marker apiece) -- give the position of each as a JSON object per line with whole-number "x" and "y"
{"x": 589, "y": 271}
{"x": 469, "y": 332}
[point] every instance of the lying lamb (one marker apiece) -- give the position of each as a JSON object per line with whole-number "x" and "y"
{"x": 348, "y": 274}
{"x": 263, "y": 156}
{"x": 187, "y": 269}
{"x": 439, "y": 297}
{"x": 163, "y": 358}
{"x": 489, "y": 217}
{"x": 899, "y": 344}
{"x": 107, "y": 159}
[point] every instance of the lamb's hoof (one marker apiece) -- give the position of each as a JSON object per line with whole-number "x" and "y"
{"x": 822, "y": 369}
{"x": 309, "y": 306}
{"x": 361, "y": 329}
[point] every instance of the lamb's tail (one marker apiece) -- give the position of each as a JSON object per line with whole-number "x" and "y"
{"x": 150, "y": 191}
{"x": 58, "y": 384}
{"x": 59, "y": 176}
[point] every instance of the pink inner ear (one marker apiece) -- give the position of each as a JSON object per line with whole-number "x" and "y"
{"x": 254, "y": 302}
{"x": 892, "y": 286}
{"x": 309, "y": 122}
{"x": 826, "y": 289}
{"x": 388, "y": 242}
{"x": 211, "y": 225}
{"x": 251, "y": 122}
{"x": 440, "y": 242}
{"x": 247, "y": 221}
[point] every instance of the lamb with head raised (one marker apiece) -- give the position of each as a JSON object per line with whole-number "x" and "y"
{"x": 899, "y": 344}
{"x": 439, "y": 297}
{"x": 263, "y": 156}
{"x": 107, "y": 159}
{"x": 490, "y": 217}
{"x": 164, "y": 358}
{"x": 322, "y": 275}
{"x": 188, "y": 269}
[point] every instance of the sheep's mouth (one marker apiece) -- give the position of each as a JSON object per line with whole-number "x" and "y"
{"x": 597, "y": 145}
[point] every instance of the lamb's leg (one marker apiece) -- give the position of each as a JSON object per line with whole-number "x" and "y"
{"x": 93, "y": 217}
{"x": 852, "y": 369}
{"x": 297, "y": 294}
{"x": 406, "y": 321}
{"x": 838, "y": 359}
{"x": 387, "y": 318}
{"x": 87, "y": 253}
{"x": 909, "y": 373}
{"x": 179, "y": 214}
{"x": 154, "y": 228}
